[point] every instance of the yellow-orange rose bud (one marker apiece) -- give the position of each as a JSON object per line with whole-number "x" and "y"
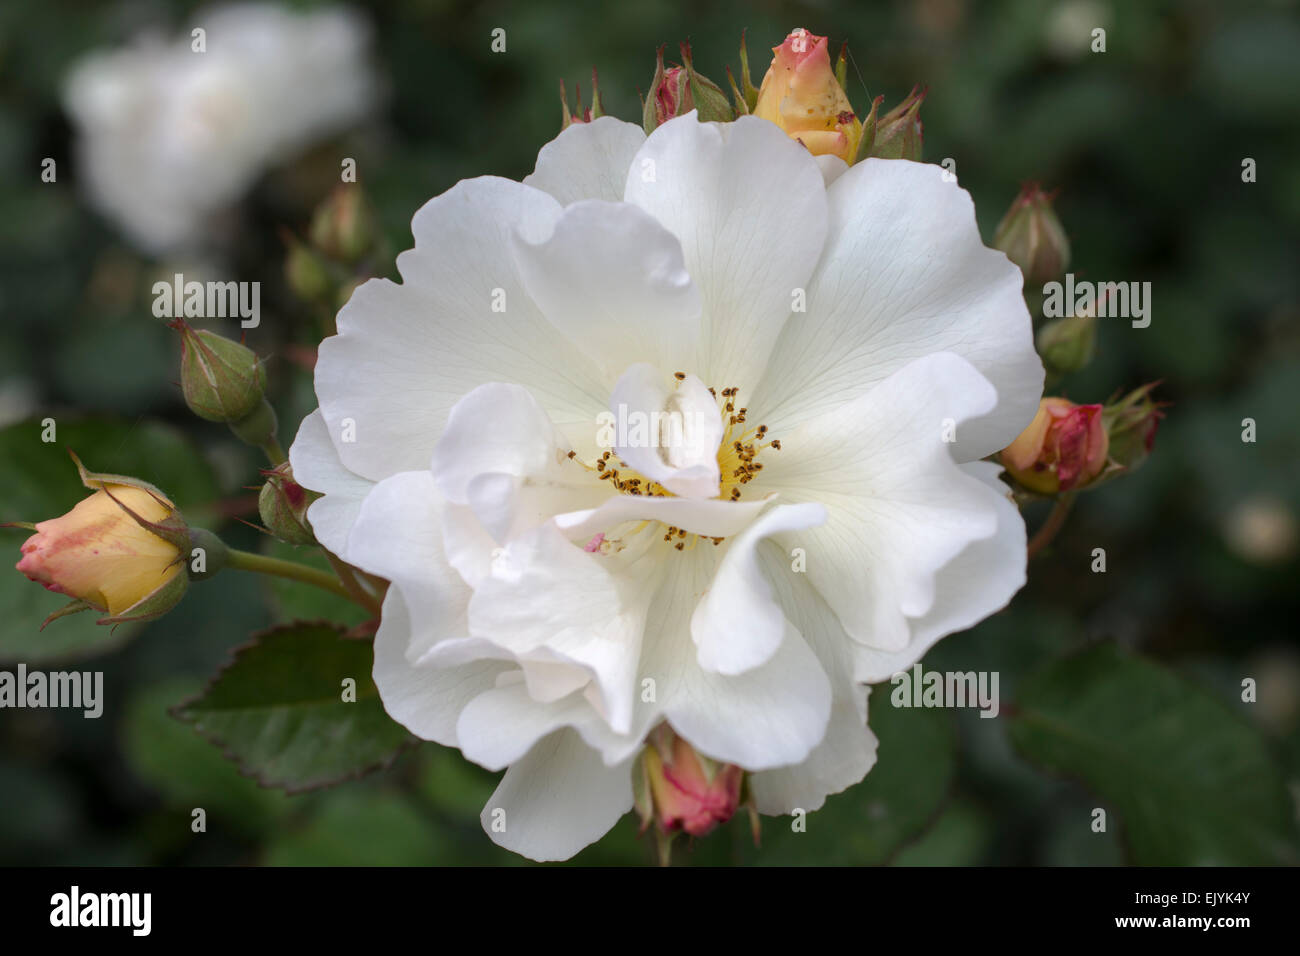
{"x": 801, "y": 95}
{"x": 1064, "y": 447}
{"x": 98, "y": 553}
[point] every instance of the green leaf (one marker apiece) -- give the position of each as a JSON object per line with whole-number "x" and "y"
{"x": 278, "y": 709}
{"x": 40, "y": 482}
{"x": 897, "y": 800}
{"x": 1191, "y": 782}
{"x": 959, "y": 837}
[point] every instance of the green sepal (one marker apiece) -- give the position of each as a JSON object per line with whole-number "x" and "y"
{"x": 597, "y": 110}
{"x": 156, "y": 603}
{"x": 97, "y": 481}
{"x": 868, "y": 140}
{"x": 746, "y": 85}
{"x": 900, "y": 134}
{"x": 71, "y": 608}
{"x": 742, "y": 107}
{"x": 708, "y": 99}
{"x": 171, "y": 529}
{"x": 642, "y": 798}
{"x": 566, "y": 118}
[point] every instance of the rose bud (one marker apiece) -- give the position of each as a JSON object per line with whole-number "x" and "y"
{"x": 801, "y": 95}
{"x": 1032, "y": 237}
{"x": 283, "y": 504}
{"x": 1065, "y": 447}
{"x": 683, "y": 790}
{"x": 343, "y": 226}
{"x": 705, "y": 95}
{"x": 668, "y": 95}
{"x": 222, "y": 381}
{"x": 307, "y": 274}
{"x": 1067, "y": 344}
{"x": 899, "y": 133}
{"x": 677, "y": 90}
{"x": 1131, "y": 425}
{"x": 123, "y": 551}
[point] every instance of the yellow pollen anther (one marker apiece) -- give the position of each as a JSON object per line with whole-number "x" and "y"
{"x": 737, "y": 467}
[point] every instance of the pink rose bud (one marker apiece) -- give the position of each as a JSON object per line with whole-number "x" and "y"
{"x": 684, "y": 791}
{"x": 1065, "y": 447}
{"x": 801, "y": 94}
{"x": 671, "y": 94}
{"x": 676, "y": 90}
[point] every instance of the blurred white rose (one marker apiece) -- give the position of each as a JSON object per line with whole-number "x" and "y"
{"x": 168, "y": 136}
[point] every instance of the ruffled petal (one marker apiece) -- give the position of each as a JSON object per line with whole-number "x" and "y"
{"x": 749, "y": 207}
{"x": 904, "y": 275}
{"x": 738, "y": 624}
{"x": 613, "y": 280}
{"x": 900, "y": 506}
{"x": 557, "y": 799}
{"x": 587, "y": 161}
{"x": 405, "y": 354}
{"x": 316, "y": 465}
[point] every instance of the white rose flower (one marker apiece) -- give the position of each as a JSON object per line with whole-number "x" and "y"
{"x": 168, "y": 137}
{"x": 544, "y": 617}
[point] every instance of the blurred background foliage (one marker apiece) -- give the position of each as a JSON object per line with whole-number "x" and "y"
{"x": 1145, "y": 143}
